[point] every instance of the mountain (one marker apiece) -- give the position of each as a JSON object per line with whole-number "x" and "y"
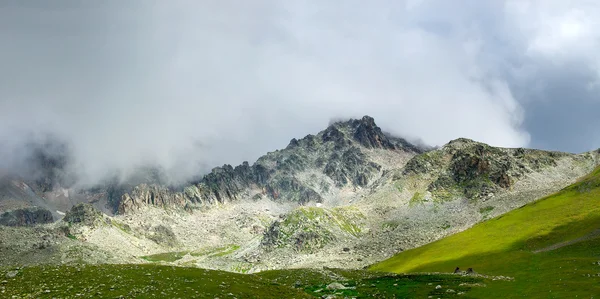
{"x": 349, "y": 196}
{"x": 309, "y": 169}
{"x": 316, "y": 168}
{"x": 548, "y": 246}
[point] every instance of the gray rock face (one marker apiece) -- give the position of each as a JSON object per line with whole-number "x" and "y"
{"x": 162, "y": 234}
{"x": 370, "y": 135}
{"x": 336, "y": 286}
{"x": 26, "y": 217}
{"x": 351, "y": 167}
{"x": 154, "y": 195}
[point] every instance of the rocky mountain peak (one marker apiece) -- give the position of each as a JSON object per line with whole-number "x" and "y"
{"x": 368, "y": 134}
{"x": 336, "y": 157}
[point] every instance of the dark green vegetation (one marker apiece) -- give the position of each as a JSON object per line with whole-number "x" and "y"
{"x": 177, "y": 255}
{"x": 165, "y": 257}
{"x": 153, "y": 281}
{"x": 139, "y": 281}
{"x": 366, "y": 284}
{"x": 551, "y": 247}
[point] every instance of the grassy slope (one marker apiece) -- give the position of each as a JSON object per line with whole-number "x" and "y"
{"x": 155, "y": 281}
{"x": 139, "y": 281}
{"x": 506, "y": 245}
{"x": 367, "y": 284}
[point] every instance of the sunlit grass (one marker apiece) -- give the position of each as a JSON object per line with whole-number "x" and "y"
{"x": 505, "y": 245}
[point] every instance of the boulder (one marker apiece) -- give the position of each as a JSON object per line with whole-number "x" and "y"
{"x": 336, "y": 286}
{"x": 26, "y": 217}
{"x": 84, "y": 214}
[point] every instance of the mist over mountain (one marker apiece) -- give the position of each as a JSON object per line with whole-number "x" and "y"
{"x": 187, "y": 86}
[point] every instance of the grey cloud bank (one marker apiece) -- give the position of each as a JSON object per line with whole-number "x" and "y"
{"x": 189, "y": 85}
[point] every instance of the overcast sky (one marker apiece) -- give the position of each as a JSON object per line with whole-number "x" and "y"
{"x": 193, "y": 84}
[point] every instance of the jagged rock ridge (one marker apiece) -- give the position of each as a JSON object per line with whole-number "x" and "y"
{"x": 303, "y": 172}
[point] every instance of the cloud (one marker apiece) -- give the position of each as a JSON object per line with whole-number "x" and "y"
{"x": 190, "y": 85}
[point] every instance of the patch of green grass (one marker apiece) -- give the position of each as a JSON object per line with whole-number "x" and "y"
{"x": 242, "y": 268}
{"x": 347, "y": 219}
{"x": 549, "y": 246}
{"x": 227, "y": 250}
{"x": 443, "y": 194}
{"x": 399, "y": 186}
{"x": 156, "y": 281}
{"x": 365, "y": 284}
{"x": 390, "y": 225}
{"x": 264, "y": 220}
{"x": 70, "y": 236}
{"x": 486, "y": 210}
{"x": 122, "y": 226}
{"x": 165, "y": 257}
{"x": 216, "y": 251}
{"x": 417, "y": 198}
{"x": 140, "y": 281}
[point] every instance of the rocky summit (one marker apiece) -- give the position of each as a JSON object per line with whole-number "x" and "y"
{"x": 348, "y": 196}
{"x": 307, "y": 170}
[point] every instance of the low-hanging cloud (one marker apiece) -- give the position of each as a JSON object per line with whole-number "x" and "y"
{"x": 190, "y": 85}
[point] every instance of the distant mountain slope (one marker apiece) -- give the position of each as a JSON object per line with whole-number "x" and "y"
{"x": 549, "y": 246}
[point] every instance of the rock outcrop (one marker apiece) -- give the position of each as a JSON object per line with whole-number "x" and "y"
{"x": 310, "y": 228}
{"x": 84, "y": 214}
{"x": 467, "y": 168}
{"x": 26, "y": 217}
{"x": 153, "y": 195}
{"x": 370, "y": 135}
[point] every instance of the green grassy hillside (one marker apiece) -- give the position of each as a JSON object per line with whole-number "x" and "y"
{"x": 156, "y": 281}
{"x": 551, "y": 247}
{"x": 137, "y": 281}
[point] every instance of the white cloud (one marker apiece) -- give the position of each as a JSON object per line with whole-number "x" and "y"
{"x": 242, "y": 78}
{"x": 560, "y": 33}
